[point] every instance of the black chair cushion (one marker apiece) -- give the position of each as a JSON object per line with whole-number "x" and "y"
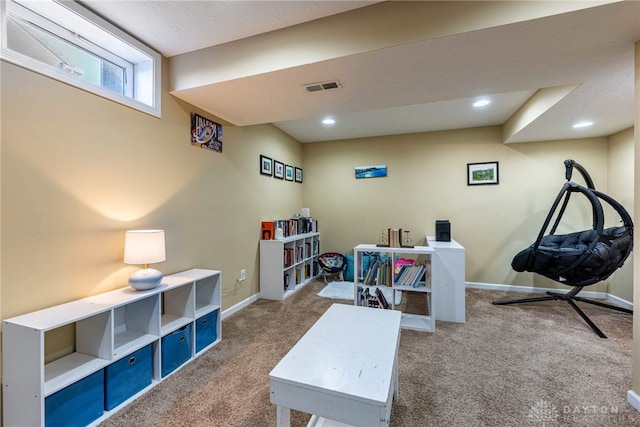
{"x": 580, "y": 259}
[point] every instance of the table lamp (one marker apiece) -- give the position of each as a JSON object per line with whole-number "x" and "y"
{"x": 144, "y": 247}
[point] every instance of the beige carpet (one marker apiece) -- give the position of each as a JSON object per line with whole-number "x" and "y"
{"x": 525, "y": 365}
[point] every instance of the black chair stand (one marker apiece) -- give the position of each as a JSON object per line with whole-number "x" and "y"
{"x": 570, "y": 297}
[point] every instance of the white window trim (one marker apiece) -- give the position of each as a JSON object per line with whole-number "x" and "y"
{"x": 24, "y": 61}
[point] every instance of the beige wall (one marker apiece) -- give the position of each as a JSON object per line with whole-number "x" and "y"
{"x": 79, "y": 170}
{"x": 427, "y": 181}
{"x": 621, "y": 186}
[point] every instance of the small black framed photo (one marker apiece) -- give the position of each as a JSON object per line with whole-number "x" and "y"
{"x": 298, "y": 172}
{"x": 485, "y": 173}
{"x": 266, "y": 165}
{"x": 278, "y": 169}
{"x": 288, "y": 173}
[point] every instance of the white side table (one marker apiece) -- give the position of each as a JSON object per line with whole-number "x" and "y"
{"x": 450, "y": 278}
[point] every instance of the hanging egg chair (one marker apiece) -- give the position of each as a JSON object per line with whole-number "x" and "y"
{"x": 581, "y": 258}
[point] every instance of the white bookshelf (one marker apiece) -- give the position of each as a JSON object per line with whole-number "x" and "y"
{"x": 107, "y": 327}
{"x": 420, "y": 322}
{"x": 446, "y": 297}
{"x": 288, "y": 264}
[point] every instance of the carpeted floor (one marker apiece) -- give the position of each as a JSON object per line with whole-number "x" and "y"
{"x": 524, "y": 365}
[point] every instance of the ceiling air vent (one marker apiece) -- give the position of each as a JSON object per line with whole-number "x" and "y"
{"x": 318, "y": 87}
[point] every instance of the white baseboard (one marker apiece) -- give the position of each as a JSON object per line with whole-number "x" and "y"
{"x": 619, "y": 301}
{"x": 239, "y": 306}
{"x": 530, "y": 289}
{"x": 634, "y": 399}
{"x": 475, "y": 285}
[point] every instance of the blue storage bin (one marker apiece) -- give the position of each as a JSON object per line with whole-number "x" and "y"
{"x": 176, "y": 349}
{"x": 348, "y": 273}
{"x": 126, "y": 377}
{"x": 79, "y": 404}
{"x": 206, "y": 330}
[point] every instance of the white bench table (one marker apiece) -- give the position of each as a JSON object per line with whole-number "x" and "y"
{"x": 345, "y": 368}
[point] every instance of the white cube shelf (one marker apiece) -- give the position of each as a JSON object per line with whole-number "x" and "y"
{"x": 107, "y": 327}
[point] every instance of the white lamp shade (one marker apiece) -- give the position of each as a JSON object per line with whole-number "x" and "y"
{"x": 144, "y": 247}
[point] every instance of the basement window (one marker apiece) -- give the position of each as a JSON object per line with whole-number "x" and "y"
{"x": 64, "y": 41}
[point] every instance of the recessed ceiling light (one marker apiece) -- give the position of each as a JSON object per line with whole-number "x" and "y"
{"x": 328, "y": 121}
{"x": 583, "y": 124}
{"x": 481, "y": 103}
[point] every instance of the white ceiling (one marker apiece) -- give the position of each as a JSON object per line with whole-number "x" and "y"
{"x": 424, "y": 85}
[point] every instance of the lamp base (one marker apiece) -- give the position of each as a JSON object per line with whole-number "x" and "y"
{"x": 145, "y": 279}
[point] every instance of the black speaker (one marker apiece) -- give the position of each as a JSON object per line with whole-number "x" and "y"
{"x": 443, "y": 230}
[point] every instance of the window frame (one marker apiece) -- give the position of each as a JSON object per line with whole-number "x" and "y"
{"x": 147, "y": 63}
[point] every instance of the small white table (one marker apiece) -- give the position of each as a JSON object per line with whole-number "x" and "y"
{"x": 345, "y": 368}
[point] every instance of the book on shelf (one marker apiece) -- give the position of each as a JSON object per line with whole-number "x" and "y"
{"x": 394, "y": 239}
{"x": 371, "y": 300}
{"x": 381, "y": 298}
{"x": 379, "y": 272}
{"x": 288, "y": 257}
{"x": 414, "y": 275}
{"x": 395, "y": 236}
{"x": 289, "y": 227}
{"x": 369, "y": 278}
{"x": 375, "y": 299}
{"x": 268, "y": 230}
{"x": 402, "y": 274}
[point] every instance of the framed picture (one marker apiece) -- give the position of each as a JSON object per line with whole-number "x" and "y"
{"x": 376, "y": 171}
{"x": 266, "y": 165}
{"x": 278, "y": 169}
{"x": 206, "y": 133}
{"x": 298, "y": 174}
{"x": 288, "y": 173}
{"x": 482, "y": 173}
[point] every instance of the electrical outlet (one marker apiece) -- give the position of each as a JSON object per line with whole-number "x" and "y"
{"x": 243, "y": 274}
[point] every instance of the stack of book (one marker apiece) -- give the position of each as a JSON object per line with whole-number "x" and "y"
{"x": 289, "y": 227}
{"x": 414, "y": 275}
{"x": 376, "y": 299}
{"x": 379, "y": 272}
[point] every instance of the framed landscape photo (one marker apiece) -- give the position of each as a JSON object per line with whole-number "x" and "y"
{"x": 266, "y": 165}
{"x": 278, "y": 169}
{"x": 298, "y": 174}
{"x": 376, "y": 171}
{"x": 288, "y": 173}
{"x": 485, "y": 173}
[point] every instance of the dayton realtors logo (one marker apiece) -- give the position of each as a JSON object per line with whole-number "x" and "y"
{"x": 543, "y": 413}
